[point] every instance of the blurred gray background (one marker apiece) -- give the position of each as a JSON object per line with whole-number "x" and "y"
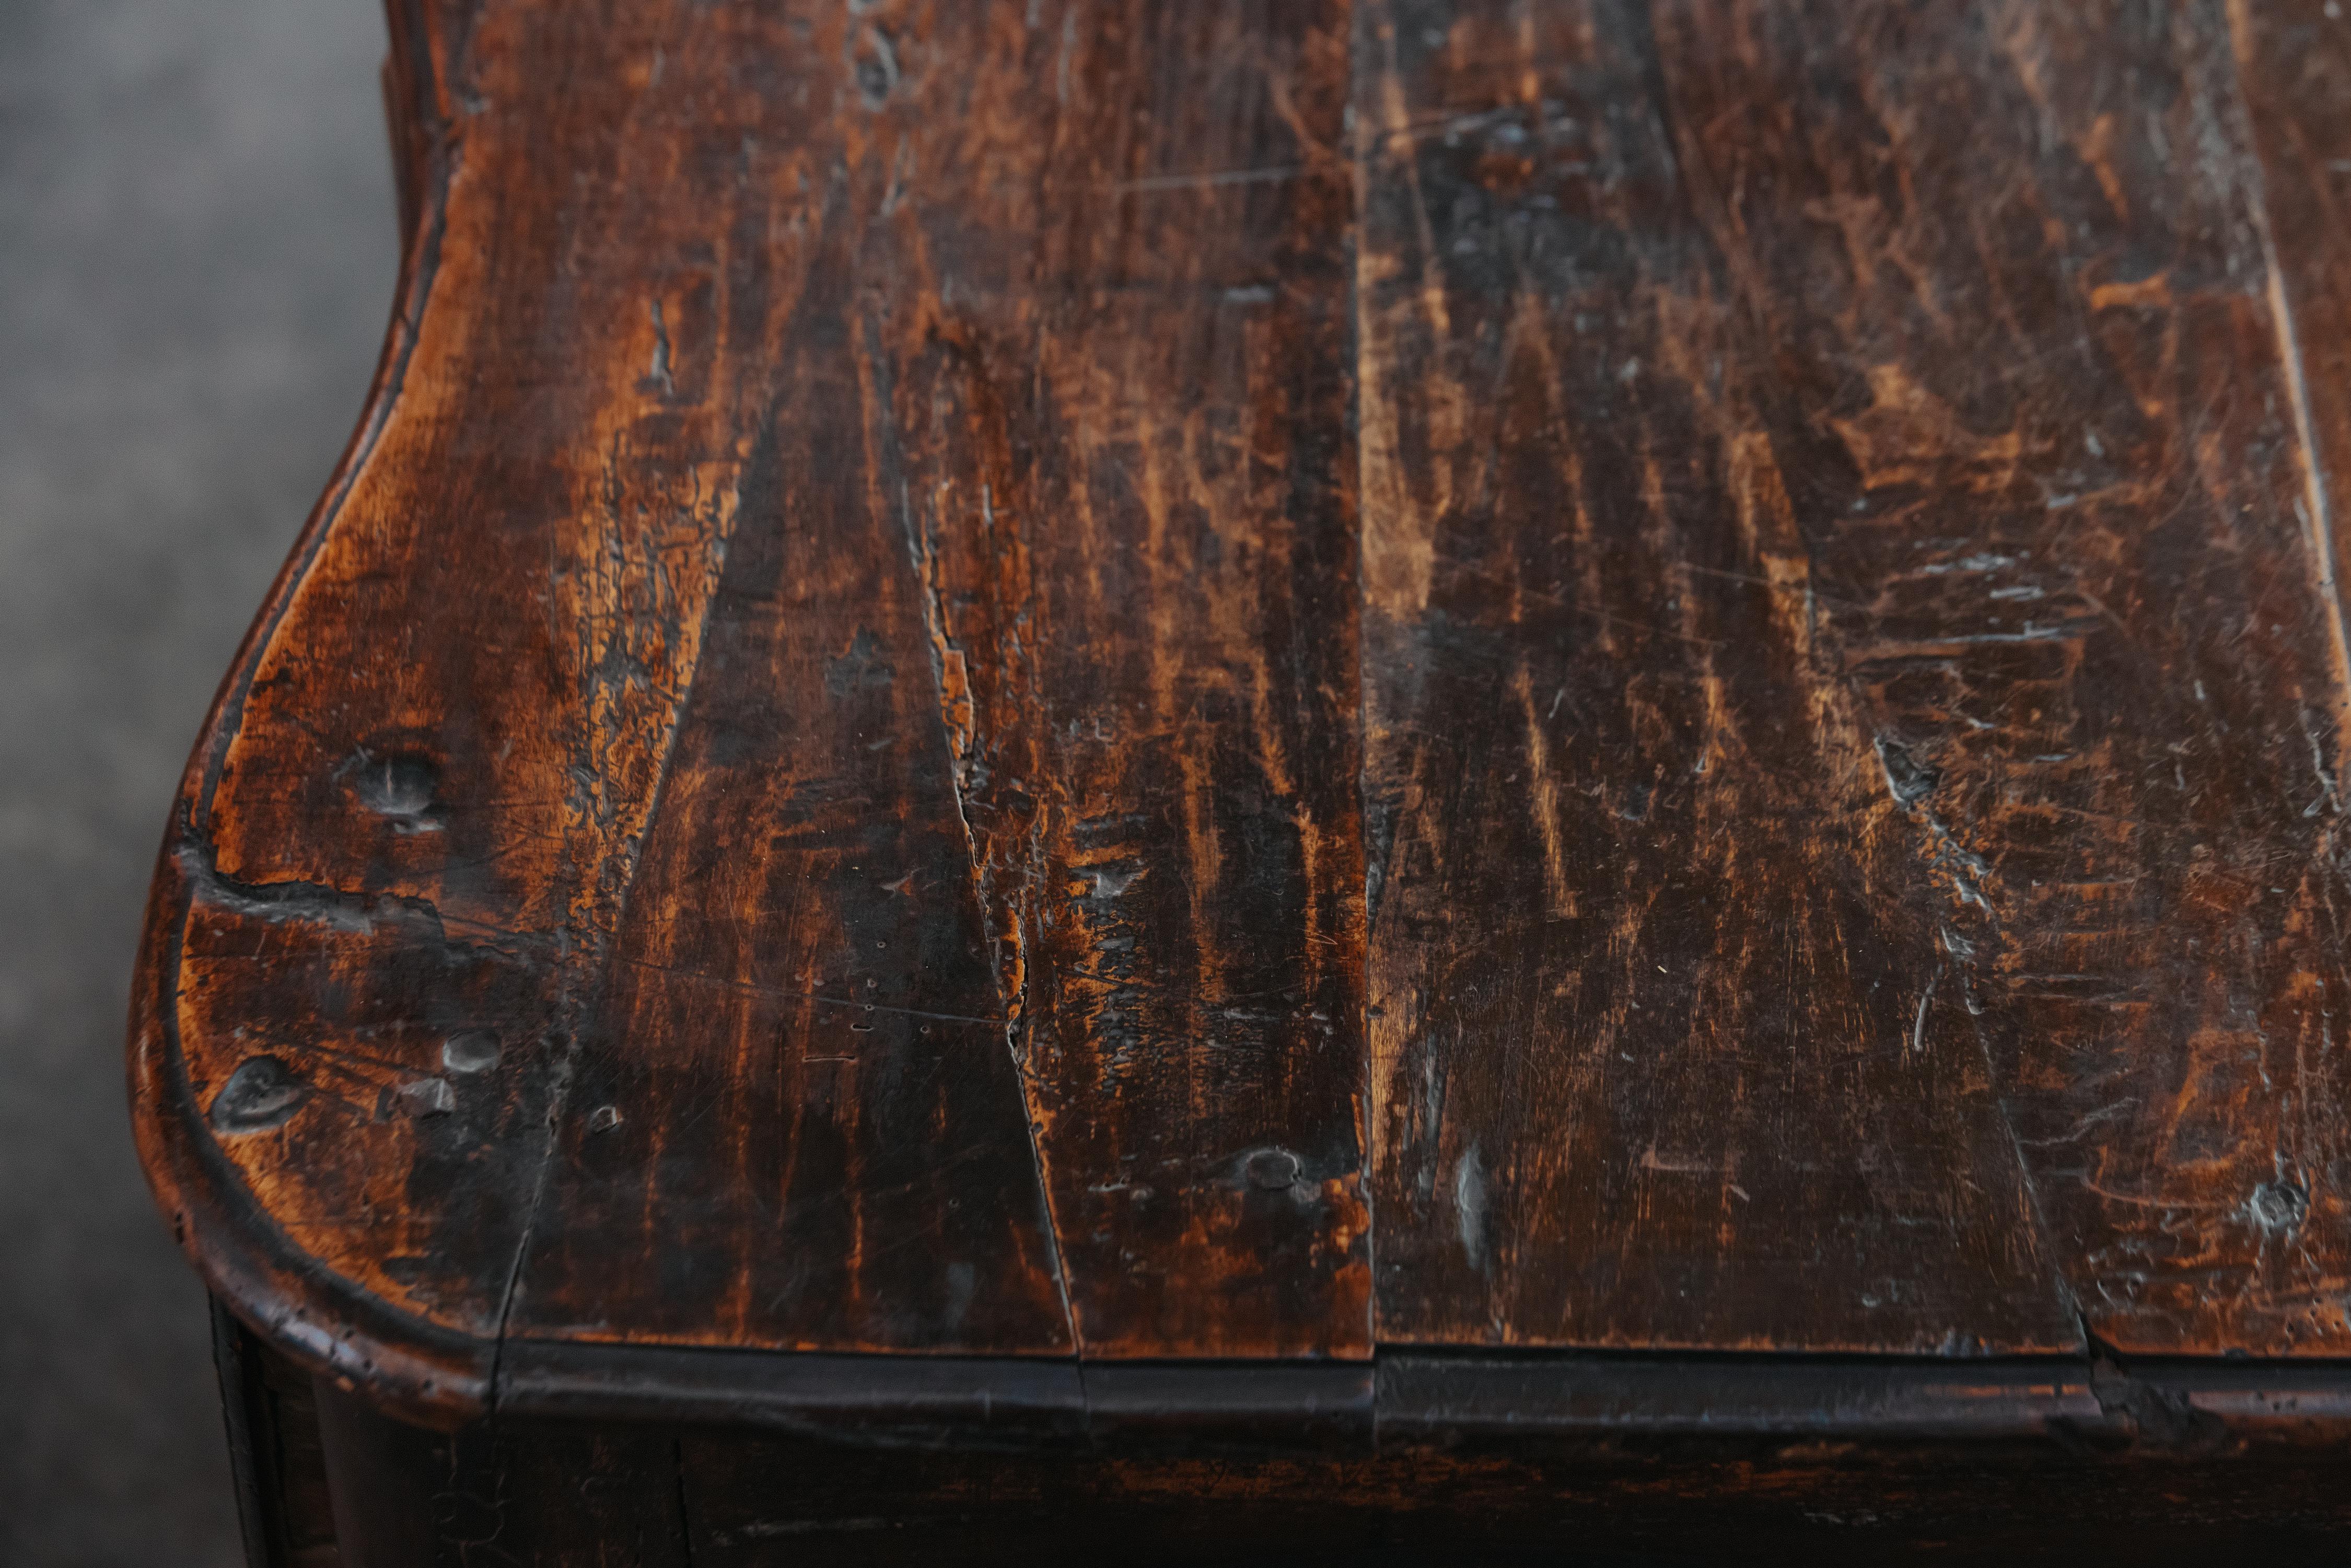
{"x": 196, "y": 256}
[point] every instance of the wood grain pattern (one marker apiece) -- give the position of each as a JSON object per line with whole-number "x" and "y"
{"x": 1870, "y": 559}
{"x": 798, "y": 1103}
{"x": 1143, "y": 611}
{"x": 1595, "y": 698}
{"x": 406, "y": 887}
{"x": 979, "y": 536}
{"x": 1243, "y": 681}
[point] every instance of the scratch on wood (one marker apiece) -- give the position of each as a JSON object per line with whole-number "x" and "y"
{"x": 958, "y": 721}
{"x": 2316, "y": 515}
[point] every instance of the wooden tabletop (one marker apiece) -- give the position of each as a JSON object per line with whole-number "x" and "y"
{"x": 1068, "y": 684}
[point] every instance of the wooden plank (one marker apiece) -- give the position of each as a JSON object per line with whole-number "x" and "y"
{"x": 1062, "y": 485}
{"x": 799, "y": 1122}
{"x": 1843, "y": 676}
{"x": 1118, "y": 338}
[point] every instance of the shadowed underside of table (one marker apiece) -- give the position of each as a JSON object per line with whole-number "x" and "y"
{"x": 1277, "y": 717}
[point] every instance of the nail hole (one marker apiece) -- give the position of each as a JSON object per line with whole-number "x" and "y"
{"x": 399, "y": 787}
{"x": 1273, "y": 1170}
{"x": 470, "y": 1051}
{"x": 261, "y": 1094}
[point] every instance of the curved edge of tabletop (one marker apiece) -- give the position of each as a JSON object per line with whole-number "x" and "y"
{"x": 326, "y": 1323}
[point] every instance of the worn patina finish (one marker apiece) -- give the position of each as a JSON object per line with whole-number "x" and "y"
{"x": 1259, "y": 683}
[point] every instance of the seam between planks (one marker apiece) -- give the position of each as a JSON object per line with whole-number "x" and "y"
{"x": 2317, "y": 513}
{"x": 937, "y": 642}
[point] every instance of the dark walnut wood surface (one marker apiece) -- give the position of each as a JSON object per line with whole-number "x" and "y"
{"x": 1240, "y": 681}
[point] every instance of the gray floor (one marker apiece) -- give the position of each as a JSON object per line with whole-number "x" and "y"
{"x": 197, "y": 253}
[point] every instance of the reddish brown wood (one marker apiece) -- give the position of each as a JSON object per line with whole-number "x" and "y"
{"x": 1144, "y": 615}
{"x": 1835, "y": 470}
{"x": 1097, "y": 662}
{"x": 1652, "y": 939}
{"x": 793, "y": 1091}
{"x": 1034, "y": 686}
